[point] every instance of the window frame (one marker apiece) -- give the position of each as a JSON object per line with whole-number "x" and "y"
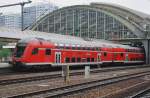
{"x": 47, "y": 51}
{"x": 35, "y": 51}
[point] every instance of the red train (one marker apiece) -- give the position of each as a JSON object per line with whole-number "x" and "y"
{"x": 59, "y": 51}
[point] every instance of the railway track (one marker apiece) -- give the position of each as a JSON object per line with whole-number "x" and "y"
{"x": 6, "y": 71}
{"x": 142, "y": 94}
{"x": 29, "y": 77}
{"x": 80, "y": 87}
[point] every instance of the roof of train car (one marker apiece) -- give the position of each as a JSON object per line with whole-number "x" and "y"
{"x": 77, "y": 41}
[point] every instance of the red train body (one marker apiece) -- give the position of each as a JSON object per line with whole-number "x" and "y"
{"x": 55, "y": 52}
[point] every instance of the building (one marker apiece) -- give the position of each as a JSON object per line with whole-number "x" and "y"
{"x": 30, "y": 15}
{"x": 33, "y": 12}
{"x": 2, "y": 20}
{"x": 98, "y": 20}
{"x": 13, "y": 21}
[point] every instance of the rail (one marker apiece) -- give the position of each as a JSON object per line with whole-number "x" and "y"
{"x": 70, "y": 89}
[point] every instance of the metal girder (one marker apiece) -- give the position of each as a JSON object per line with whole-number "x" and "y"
{"x": 128, "y": 23}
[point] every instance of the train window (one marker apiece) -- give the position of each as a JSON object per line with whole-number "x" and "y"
{"x": 88, "y": 59}
{"x": 84, "y": 60}
{"x": 20, "y": 51}
{"x": 79, "y": 48}
{"x": 67, "y": 47}
{"x": 48, "y": 52}
{"x": 121, "y": 54}
{"x": 100, "y": 49}
{"x": 93, "y": 48}
{"x": 84, "y": 48}
{"x": 67, "y": 60}
{"x": 105, "y": 54}
{"x": 92, "y": 59}
{"x": 97, "y": 49}
{"x": 58, "y": 47}
{"x": 73, "y": 48}
{"x": 73, "y": 59}
{"x": 88, "y": 48}
{"x": 78, "y": 59}
{"x": 35, "y": 51}
{"x": 61, "y": 47}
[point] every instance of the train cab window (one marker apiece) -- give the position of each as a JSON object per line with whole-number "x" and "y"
{"x": 19, "y": 51}
{"x": 78, "y": 59}
{"x": 73, "y": 59}
{"x": 105, "y": 54}
{"x": 35, "y": 51}
{"x": 48, "y": 52}
{"x": 92, "y": 59}
{"x": 67, "y": 60}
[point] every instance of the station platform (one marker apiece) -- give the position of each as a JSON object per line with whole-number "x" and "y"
{"x": 5, "y": 65}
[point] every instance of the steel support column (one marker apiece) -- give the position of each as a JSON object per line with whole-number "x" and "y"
{"x": 146, "y": 44}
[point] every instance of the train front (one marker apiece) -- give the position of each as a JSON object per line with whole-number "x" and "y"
{"x": 19, "y": 55}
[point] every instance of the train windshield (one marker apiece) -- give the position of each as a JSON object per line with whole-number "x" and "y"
{"x": 19, "y": 51}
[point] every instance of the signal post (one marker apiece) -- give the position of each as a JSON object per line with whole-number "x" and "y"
{"x": 65, "y": 73}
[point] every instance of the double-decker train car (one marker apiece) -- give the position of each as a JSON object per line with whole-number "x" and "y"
{"x": 59, "y": 51}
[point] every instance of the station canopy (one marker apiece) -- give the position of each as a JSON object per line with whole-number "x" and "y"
{"x": 57, "y": 39}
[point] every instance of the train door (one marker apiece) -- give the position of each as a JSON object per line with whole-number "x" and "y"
{"x": 98, "y": 57}
{"x": 127, "y": 58}
{"x": 57, "y": 57}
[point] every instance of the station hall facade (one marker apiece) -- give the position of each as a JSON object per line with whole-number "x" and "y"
{"x": 97, "y": 20}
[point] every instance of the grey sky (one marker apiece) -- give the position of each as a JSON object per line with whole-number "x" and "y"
{"x": 140, "y": 5}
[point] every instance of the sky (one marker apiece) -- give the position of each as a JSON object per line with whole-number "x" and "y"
{"x": 139, "y": 5}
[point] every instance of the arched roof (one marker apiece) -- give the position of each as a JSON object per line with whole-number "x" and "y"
{"x": 132, "y": 19}
{"x": 123, "y": 11}
{"x": 136, "y": 17}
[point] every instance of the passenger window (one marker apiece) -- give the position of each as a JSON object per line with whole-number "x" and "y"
{"x": 35, "y": 51}
{"x": 78, "y": 48}
{"x": 48, "y": 52}
{"x": 105, "y": 54}
{"x": 88, "y": 59}
{"x": 121, "y": 54}
{"x": 84, "y": 48}
{"x": 88, "y": 48}
{"x": 67, "y": 60}
{"x": 93, "y": 48}
{"x": 73, "y": 48}
{"x": 92, "y": 59}
{"x": 73, "y": 59}
{"x": 97, "y": 49}
{"x": 78, "y": 59}
{"x": 67, "y": 47}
